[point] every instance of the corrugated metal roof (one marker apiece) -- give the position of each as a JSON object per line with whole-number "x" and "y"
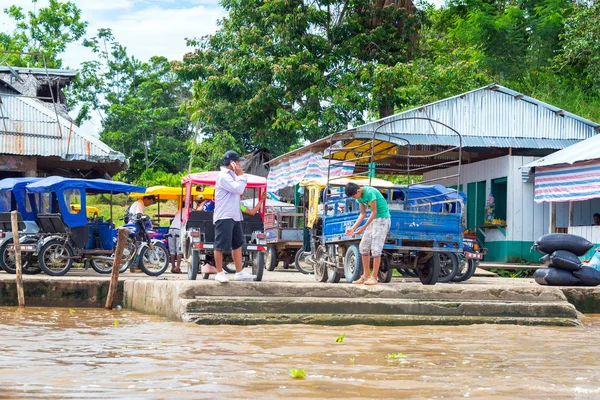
{"x": 40, "y": 71}
{"x": 582, "y": 151}
{"x": 490, "y": 113}
{"x": 28, "y": 127}
{"x": 491, "y": 116}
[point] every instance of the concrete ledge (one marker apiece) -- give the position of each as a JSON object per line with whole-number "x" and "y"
{"x": 377, "y": 320}
{"x": 59, "y": 292}
{"x": 585, "y": 299}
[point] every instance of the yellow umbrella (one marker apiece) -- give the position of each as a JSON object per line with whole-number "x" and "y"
{"x": 173, "y": 193}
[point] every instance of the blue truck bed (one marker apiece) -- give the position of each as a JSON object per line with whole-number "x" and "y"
{"x": 409, "y": 230}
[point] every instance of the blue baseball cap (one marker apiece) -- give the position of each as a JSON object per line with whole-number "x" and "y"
{"x": 230, "y": 156}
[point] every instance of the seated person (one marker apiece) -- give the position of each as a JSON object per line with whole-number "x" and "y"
{"x": 206, "y": 205}
{"x": 596, "y": 219}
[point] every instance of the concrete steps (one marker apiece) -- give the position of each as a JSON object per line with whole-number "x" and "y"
{"x": 243, "y": 303}
{"x": 342, "y": 306}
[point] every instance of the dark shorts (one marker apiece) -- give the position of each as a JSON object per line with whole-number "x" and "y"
{"x": 228, "y": 235}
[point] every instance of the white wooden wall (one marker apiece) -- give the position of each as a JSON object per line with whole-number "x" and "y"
{"x": 591, "y": 233}
{"x": 525, "y": 220}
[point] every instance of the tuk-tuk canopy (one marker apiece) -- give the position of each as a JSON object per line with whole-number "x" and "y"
{"x": 174, "y": 193}
{"x": 16, "y": 183}
{"x": 343, "y": 181}
{"x": 58, "y": 183}
{"x": 210, "y": 178}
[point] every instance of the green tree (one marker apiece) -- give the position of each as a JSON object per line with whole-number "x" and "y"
{"x": 281, "y": 71}
{"x": 47, "y": 31}
{"x": 139, "y": 104}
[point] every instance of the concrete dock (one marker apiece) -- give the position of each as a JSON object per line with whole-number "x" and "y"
{"x": 286, "y": 296}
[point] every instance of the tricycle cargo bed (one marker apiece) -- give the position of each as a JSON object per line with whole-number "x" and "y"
{"x": 415, "y": 227}
{"x": 203, "y": 220}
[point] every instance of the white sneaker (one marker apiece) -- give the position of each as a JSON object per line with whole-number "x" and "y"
{"x": 221, "y": 277}
{"x": 244, "y": 276}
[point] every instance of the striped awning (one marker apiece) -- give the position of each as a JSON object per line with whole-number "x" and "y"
{"x": 298, "y": 167}
{"x": 577, "y": 182}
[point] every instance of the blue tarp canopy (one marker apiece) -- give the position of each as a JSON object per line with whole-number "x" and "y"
{"x": 58, "y": 183}
{"x": 16, "y": 183}
{"x": 424, "y": 194}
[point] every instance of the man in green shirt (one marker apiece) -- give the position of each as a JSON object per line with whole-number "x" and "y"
{"x": 375, "y": 230}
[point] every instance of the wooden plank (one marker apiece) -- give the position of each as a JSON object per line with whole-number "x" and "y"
{"x": 571, "y": 211}
{"x": 552, "y": 210}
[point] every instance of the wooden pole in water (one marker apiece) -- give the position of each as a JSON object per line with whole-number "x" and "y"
{"x": 15, "y": 232}
{"x": 112, "y": 290}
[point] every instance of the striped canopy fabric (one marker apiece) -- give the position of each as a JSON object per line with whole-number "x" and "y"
{"x": 294, "y": 169}
{"x": 577, "y": 182}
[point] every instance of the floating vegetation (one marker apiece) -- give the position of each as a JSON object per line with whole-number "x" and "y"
{"x": 297, "y": 373}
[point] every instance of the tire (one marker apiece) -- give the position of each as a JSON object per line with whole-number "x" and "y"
{"x": 466, "y": 270}
{"x": 194, "y": 266}
{"x": 448, "y": 267}
{"x": 334, "y": 274}
{"x": 228, "y": 269}
{"x": 258, "y": 266}
{"x": 105, "y": 267}
{"x": 301, "y": 264}
{"x": 353, "y": 267}
{"x": 154, "y": 261}
{"x": 56, "y": 257}
{"x": 7, "y": 262}
{"x": 384, "y": 275}
{"x": 320, "y": 268}
{"x": 430, "y": 272}
{"x": 271, "y": 258}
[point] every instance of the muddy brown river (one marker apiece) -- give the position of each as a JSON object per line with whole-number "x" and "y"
{"x": 91, "y": 354}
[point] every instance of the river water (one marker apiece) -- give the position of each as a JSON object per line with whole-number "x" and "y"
{"x": 89, "y": 353}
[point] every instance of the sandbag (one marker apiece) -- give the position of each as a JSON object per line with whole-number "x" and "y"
{"x": 546, "y": 260}
{"x": 588, "y": 276}
{"x": 555, "y": 277}
{"x": 551, "y": 242}
{"x": 566, "y": 260}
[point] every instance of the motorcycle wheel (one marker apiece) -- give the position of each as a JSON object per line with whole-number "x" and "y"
{"x": 154, "y": 261}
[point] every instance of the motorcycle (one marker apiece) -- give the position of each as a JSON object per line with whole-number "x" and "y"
{"x": 151, "y": 253}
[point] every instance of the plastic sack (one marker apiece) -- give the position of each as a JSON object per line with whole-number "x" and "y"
{"x": 551, "y": 242}
{"x": 555, "y": 277}
{"x": 566, "y": 260}
{"x": 588, "y": 276}
{"x": 546, "y": 260}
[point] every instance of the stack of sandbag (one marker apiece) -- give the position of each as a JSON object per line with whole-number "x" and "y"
{"x": 564, "y": 268}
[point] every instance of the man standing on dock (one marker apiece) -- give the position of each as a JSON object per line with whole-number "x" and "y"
{"x": 375, "y": 230}
{"x": 227, "y": 216}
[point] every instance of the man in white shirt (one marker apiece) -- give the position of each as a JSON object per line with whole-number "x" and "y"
{"x": 139, "y": 207}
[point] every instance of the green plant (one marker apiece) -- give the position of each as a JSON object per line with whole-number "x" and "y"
{"x": 517, "y": 273}
{"x": 396, "y": 356}
{"x": 297, "y": 373}
{"x": 340, "y": 339}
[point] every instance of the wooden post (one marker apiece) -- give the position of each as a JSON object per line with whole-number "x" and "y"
{"x": 114, "y": 278}
{"x": 19, "y": 267}
{"x": 571, "y": 212}
{"x": 552, "y": 217}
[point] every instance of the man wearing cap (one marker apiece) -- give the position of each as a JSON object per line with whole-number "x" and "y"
{"x": 227, "y": 216}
